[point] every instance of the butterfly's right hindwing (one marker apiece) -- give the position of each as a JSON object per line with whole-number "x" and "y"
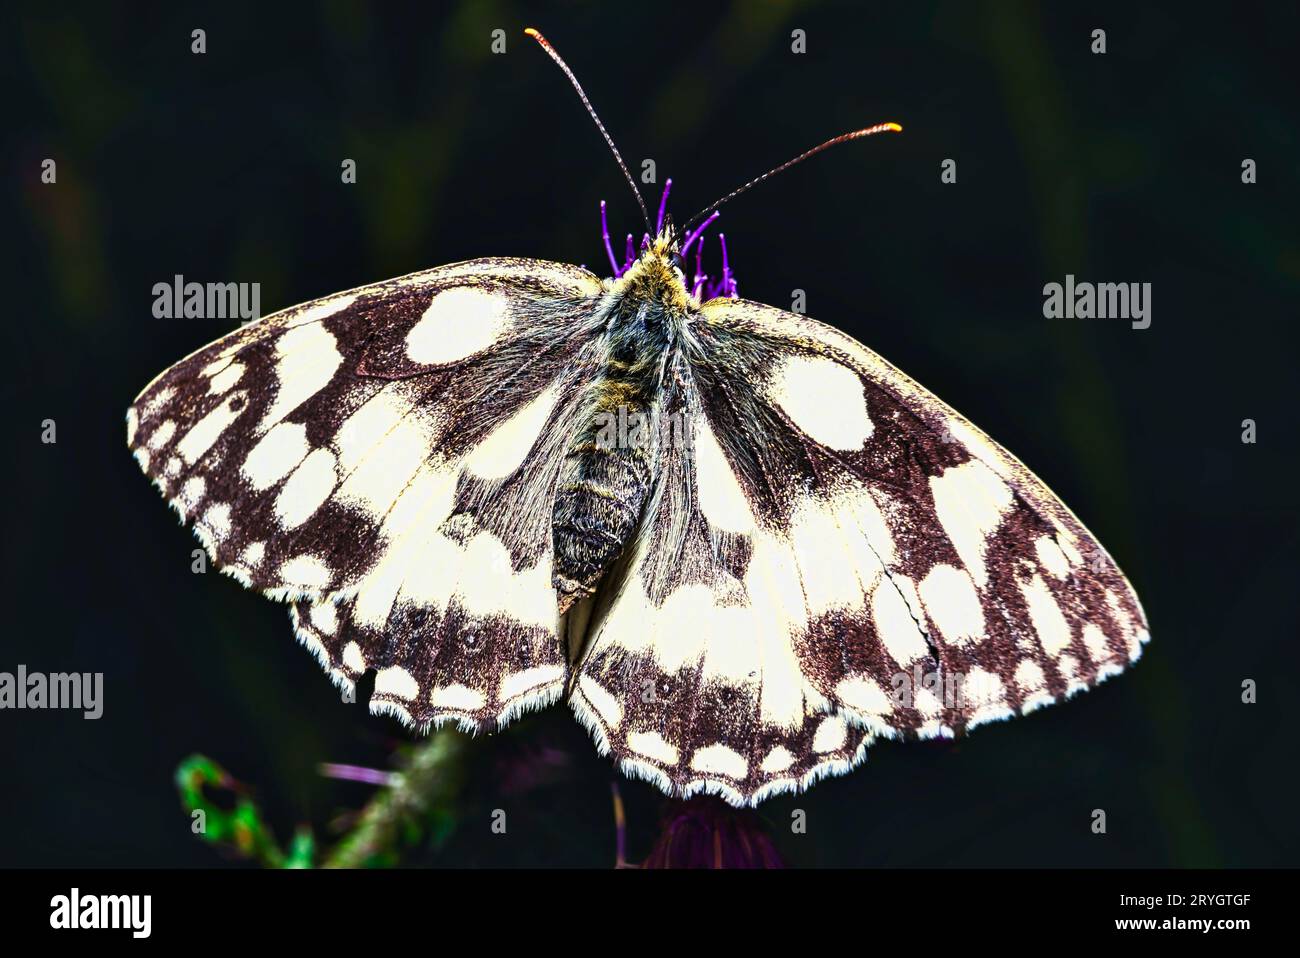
{"x": 387, "y": 459}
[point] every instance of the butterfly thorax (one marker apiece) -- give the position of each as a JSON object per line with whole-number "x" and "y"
{"x": 655, "y": 279}
{"x": 610, "y": 462}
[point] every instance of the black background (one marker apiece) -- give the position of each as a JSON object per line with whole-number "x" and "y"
{"x": 1123, "y": 167}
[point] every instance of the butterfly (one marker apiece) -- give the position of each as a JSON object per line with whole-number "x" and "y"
{"x": 739, "y": 544}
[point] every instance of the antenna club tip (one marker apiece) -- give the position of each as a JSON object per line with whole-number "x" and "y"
{"x": 531, "y": 32}
{"x": 894, "y": 127}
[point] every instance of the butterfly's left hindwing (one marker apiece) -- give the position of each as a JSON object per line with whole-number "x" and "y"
{"x": 834, "y": 555}
{"x": 386, "y": 460}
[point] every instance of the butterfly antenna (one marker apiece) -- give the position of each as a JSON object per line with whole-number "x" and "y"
{"x": 550, "y": 50}
{"x": 842, "y": 138}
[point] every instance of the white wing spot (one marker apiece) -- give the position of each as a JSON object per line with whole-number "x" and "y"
{"x": 325, "y": 616}
{"x": 652, "y": 745}
{"x": 381, "y": 446}
{"x": 458, "y": 323}
{"x": 217, "y": 521}
{"x": 675, "y": 638}
{"x": 517, "y": 683}
{"x": 459, "y": 697}
{"x": 970, "y": 501}
{"x": 254, "y": 552}
{"x": 779, "y": 611}
{"x": 1095, "y": 641}
{"x": 721, "y": 499}
{"x": 276, "y": 454}
{"x": 863, "y": 508}
{"x": 926, "y": 702}
{"x": 777, "y": 760}
{"x": 718, "y": 759}
{"x": 1029, "y": 675}
{"x": 1048, "y": 620}
{"x": 425, "y": 503}
{"x": 982, "y": 689}
{"x": 223, "y": 380}
{"x": 166, "y": 429}
{"x": 830, "y": 563}
{"x": 192, "y": 492}
{"x": 506, "y": 447}
{"x": 863, "y": 694}
{"x": 305, "y": 572}
{"x": 895, "y": 625}
{"x": 354, "y": 660}
{"x": 307, "y": 489}
{"x": 1068, "y": 543}
{"x": 209, "y": 429}
{"x": 395, "y": 680}
{"x": 527, "y": 595}
{"x": 150, "y": 408}
{"x": 1032, "y": 682}
{"x": 1069, "y": 667}
{"x": 322, "y": 309}
{"x": 601, "y": 700}
{"x": 830, "y": 735}
{"x": 1051, "y": 557}
{"x": 824, "y": 399}
{"x": 306, "y": 359}
{"x": 953, "y": 604}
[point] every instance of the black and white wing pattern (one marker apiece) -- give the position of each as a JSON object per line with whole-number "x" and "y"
{"x": 386, "y": 460}
{"x": 835, "y": 555}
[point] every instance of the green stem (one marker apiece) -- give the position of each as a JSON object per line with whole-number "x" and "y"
{"x": 422, "y": 792}
{"x": 416, "y": 804}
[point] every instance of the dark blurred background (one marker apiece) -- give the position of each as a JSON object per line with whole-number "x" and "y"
{"x": 1122, "y": 167}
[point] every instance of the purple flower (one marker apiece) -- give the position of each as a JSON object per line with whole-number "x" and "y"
{"x": 706, "y": 832}
{"x": 703, "y": 285}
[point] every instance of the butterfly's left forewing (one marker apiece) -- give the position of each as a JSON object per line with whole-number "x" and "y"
{"x": 836, "y": 555}
{"x": 386, "y": 459}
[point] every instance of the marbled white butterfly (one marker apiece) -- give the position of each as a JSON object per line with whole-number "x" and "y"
{"x": 738, "y": 543}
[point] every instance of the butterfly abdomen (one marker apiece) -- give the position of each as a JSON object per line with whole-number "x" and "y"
{"x": 605, "y": 478}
